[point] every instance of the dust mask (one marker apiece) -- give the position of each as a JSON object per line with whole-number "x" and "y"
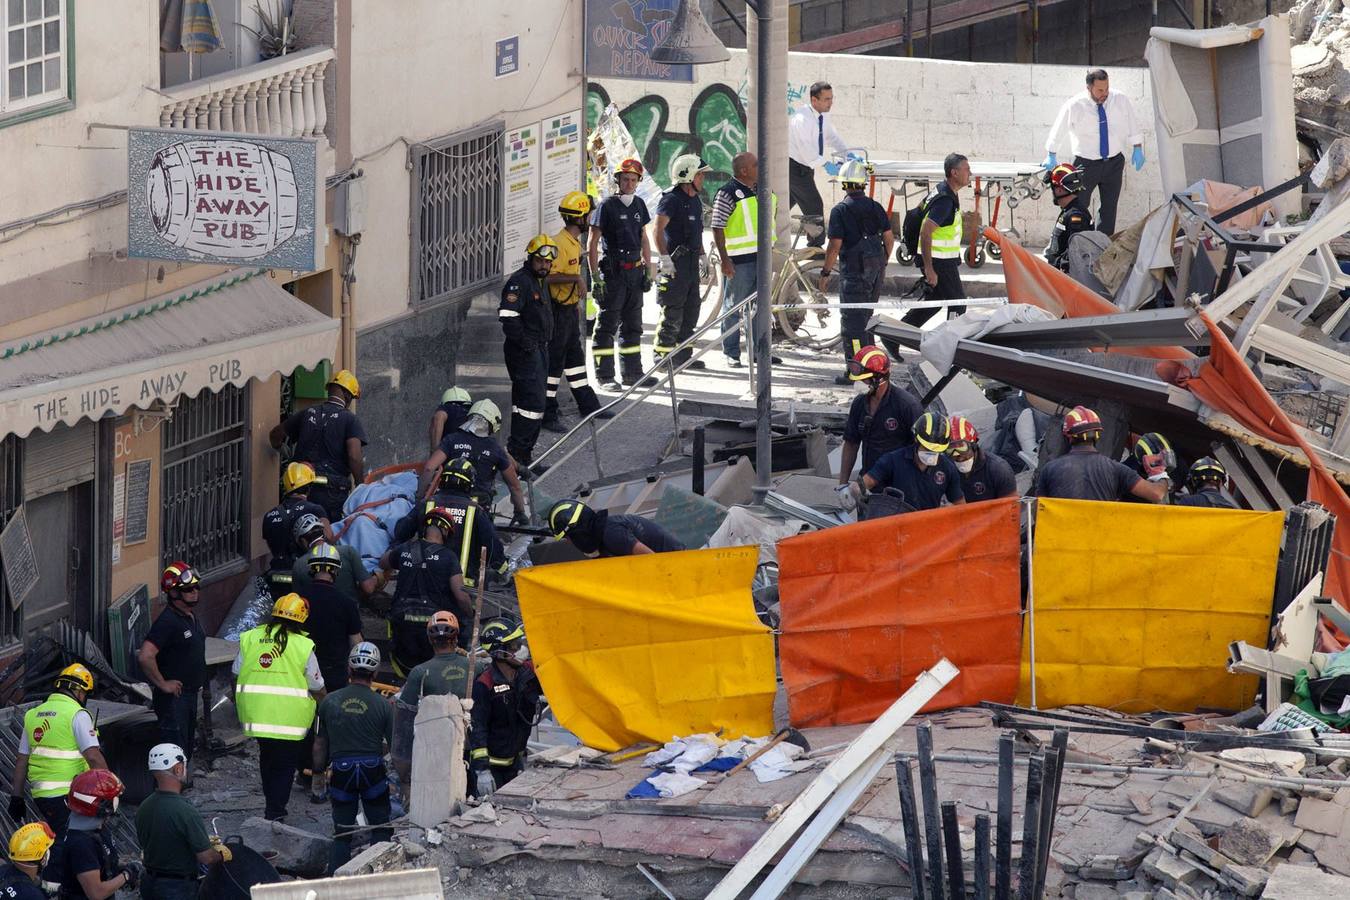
{"x": 862, "y": 388}
{"x": 523, "y": 654}
{"x": 965, "y": 465}
{"x": 627, "y": 199}
{"x": 928, "y": 457}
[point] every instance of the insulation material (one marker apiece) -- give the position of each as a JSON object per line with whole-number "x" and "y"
{"x": 651, "y": 647}
{"x": 1135, "y": 604}
{"x": 867, "y": 607}
{"x": 1224, "y": 105}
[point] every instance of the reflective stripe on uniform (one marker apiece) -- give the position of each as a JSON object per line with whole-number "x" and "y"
{"x": 636, "y": 348}
{"x": 578, "y": 381}
{"x": 274, "y": 690}
{"x": 257, "y": 729}
{"x": 603, "y": 351}
{"x": 742, "y": 231}
{"x": 575, "y": 370}
{"x": 62, "y": 786}
{"x": 55, "y": 754}
{"x": 554, "y": 379}
{"x": 527, "y": 413}
{"x": 508, "y": 313}
{"x": 480, "y": 753}
{"x": 496, "y": 761}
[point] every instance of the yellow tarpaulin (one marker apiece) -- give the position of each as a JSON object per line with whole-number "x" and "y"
{"x": 1135, "y": 604}
{"x": 647, "y": 648}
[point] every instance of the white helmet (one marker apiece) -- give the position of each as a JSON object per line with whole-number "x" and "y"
{"x": 364, "y": 656}
{"x": 683, "y": 170}
{"x": 489, "y": 411}
{"x": 855, "y": 171}
{"x": 164, "y": 757}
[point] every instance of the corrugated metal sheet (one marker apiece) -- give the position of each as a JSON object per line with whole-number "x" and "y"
{"x": 58, "y": 459}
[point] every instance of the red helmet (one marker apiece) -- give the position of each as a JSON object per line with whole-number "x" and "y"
{"x": 869, "y": 362}
{"x": 963, "y": 432}
{"x": 629, "y": 166}
{"x": 1080, "y": 422}
{"x": 1066, "y": 178}
{"x": 94, "y": 792}
{"x": 177, "y": 576}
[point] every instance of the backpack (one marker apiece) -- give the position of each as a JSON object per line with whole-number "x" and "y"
{"x": 913, "y": 225}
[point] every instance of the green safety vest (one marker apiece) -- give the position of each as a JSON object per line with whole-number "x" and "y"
{"x": 742, "y": 231}
{"x": 947, "y": 238}
{"x": 271, "y": 694}
{"x": 54, "y": 757}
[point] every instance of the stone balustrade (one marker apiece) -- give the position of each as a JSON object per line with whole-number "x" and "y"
{"x": 283, "y": 96}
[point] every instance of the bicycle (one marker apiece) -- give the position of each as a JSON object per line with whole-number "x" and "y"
{"x": 798, "y": 284}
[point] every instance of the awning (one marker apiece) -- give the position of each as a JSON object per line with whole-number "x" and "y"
{"x": 218, "y": 332}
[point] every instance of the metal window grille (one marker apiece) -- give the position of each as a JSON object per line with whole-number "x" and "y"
{"x": 457, "y": 214}
{"x": 205, "y": 494}
{"x": 11, "y": 498}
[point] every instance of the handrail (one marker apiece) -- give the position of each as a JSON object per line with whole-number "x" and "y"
{"x": 213, "y": 84}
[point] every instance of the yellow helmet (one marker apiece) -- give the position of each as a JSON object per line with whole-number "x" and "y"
{"x": 297, "y": 476}
{"x": 543, "y": 246}
{"x": 577, "y": 203}
{"x": 293, "y": 607}
{"x": 347, "y": 381}
{"x": 855, "y": 171}
{"x": 30, "y": 843}
{"x": 75, "y": 677}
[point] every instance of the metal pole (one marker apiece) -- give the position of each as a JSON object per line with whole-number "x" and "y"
{"x": 1031, "y": 594}
{"x": 760, "y": 348}
{"x": 1003, "y": 836}
{"x": 697, "y": 484}
{"x": 909, "y": 819}
{"x": 981, "y": 857}
{"x": 909, "y": 26}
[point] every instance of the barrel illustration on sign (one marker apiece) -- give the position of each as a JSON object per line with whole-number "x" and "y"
{"x": 231, "y": 199}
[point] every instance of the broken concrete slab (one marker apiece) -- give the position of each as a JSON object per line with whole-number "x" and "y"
{"x": 298, "y": 852}
{"x": 381, "y": 856}
{"x": 439, "y": 779}
{"x": 1249, "y": 843}
{"x": 1170, "y": 870}
{"x": 1248, "y": 799}
{"x": 1321, "y": 816}
{"x": 1289, "y": 882}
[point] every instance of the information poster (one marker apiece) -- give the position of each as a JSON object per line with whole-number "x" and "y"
{"x": 119, "y": 515}
{"x": 520, "y": 201}
{"x": 137, "y": 502}
{"x": 561, "y": 165}
{"x": 20, "y": 562}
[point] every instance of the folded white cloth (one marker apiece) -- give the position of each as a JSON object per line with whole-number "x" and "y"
{"x": 780, "y": 762}
{"x": 675, "y": 784}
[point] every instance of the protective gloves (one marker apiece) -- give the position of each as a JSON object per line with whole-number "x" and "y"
{"x": 1137, "y": 158}
{"x": 1051, "y": 160}
{"x": 485, "y": 784}
{"x": 666, "y": 265}
{"x": 832, "y": 168}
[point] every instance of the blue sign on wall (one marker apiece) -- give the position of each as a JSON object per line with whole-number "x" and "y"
{"x": 508, "y": 56}
{"x": 620, "y": 37}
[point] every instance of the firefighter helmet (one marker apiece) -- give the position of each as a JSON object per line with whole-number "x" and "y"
{"x": 1066, "y": 178}
{"x": 1154, "y": 444}
{"x": 871, "y": 361}
{"x": 443, "y": 518}
{"x": 178, "y": 576}
{"x": 687, "y": 167}
{"x": 456, "y": 395}
{"x": 324, "y": 556}
{"x": 489, "y": 411}
{"x": 292, "y": 607}
{"x": 932, "y": 431}
{"x": 296, "y": 476}
{"x": 854, "y": 173}
{"x": 347, "y": 381}
{"x": 94, "y": 793}
{"x": 564, "y": 515}
{"x": 499, "y": 636}
{"x": 542, "y": 246}
{"x": 75, "y": 677}
{"x": 31, "y": 843}
{"x": 629, "y": 166}
{"x": 1081, "y": 423}
{"x": 575, "y": 205}
{"x": 963, "y": 433}
{"x": 458, "y": 472}
{"x": 1207, "y": 468}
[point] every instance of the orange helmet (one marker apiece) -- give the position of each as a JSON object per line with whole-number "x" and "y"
{"x": 94, "y": 792}
{"x": 869, "y": 362}
{"x": 963, "y": 432}
{"x": 629, "y": 166}
{"x": 443, "y": 626}
{"x": 1082, "y": 423}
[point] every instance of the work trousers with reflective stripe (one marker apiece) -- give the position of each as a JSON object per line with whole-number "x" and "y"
{"x": 679, "y": 299}
{"x": 861, "y": 284}
{"x": 528, "y": 367}
{"x": 277, "y": 764}
{"x": 566, "y": 359}
{"x": 621, "y": 315}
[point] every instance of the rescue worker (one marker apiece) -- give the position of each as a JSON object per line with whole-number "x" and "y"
{"x": 679, "y": 243}
{"x": 334, "y": 623}
{"x": 605, "y": 534}
{"x": 171, "y": 832}
{"x": 474, "y": 439}
{"x": 473, "y": 525}
{"x": 356, "y": 728}
{"x": 526, "y": 315}
{"x": 505, "y": 703}
{"x": 173, "y": 657}
{"x": 330, "y": 438}
{"x": 861, "y": 241}
{"x": 58, "y": 742}
{"x": 89, "y": 865}
{"x": 623, "y": 278}
{"x": 30, "y": 849}
{"x": 1152, "y": 446}
{"x": 567, "y": 289}
{"x": 447, "y": 672}
{"x": 1085, "y": 474}
{"x": 277, "y": 685}
{"x": 352, "y": 580}
{"x": 452, "y": 413}
{"x": 278, "y": 526}
{"x": 429, "y": 579}
{"x": 880, "y": 420}
{"x": 984, "y": 476}
{"x": 735, "y": 228}
{"x": 940, "y": 240}
{"x": 1066, "y": 183}
{"x": 1205, "y": 486}
{"x": 921, "y": 472}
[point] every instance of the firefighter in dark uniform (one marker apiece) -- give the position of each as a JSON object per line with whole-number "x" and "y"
{"x": 527, "y": 322}
{"x": 607, "y": 534}
{"x": 624, "y": 277}
{"x": 452, "y": 413}
{"x": 679, "y": 241}
{"x": 861, "y": 241}
{"x": 1084, "y": 473}
{"x": 880, "y": 420}
{"x": 1066, "y": 183}
{"x": 330, "y": 438}
{"x": 429, "y": 579}
{"x": 475, "y": 440}
{"x": 1204, "y": 485}
{"x": 278, "y": 526}
{"x": 505, "y": 704}
{"x": 29, "y": 851}
{"x": 921, "y": 474}
{"x": 567, "y": 288}
{"x": 473, "y": 526}
{"x": 984, "y": 476}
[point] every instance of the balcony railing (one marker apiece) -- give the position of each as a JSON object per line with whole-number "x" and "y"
{"x": 283, "y": 96}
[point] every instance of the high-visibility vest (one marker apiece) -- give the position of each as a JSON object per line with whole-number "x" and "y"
{"x": 947, "y": 238}
{"x": 54, "y": 757}
{"x": 742, "y": 231}
{"x": 271, "y": 694}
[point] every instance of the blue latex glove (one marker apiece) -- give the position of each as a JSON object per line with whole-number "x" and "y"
{"x": 1051, "y": 160}
{"x": 1138, "y": 158}
{"x": 832, "y": 168}
{"x": 856, "y": 156}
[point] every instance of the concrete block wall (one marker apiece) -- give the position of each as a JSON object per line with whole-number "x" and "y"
{"x": 921, "y": 109}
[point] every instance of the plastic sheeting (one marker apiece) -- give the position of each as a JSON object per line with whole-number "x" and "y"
{"x": 867, "y": 607}
{"x": 1135, "y": 604}
{"x": 652, "y": 647}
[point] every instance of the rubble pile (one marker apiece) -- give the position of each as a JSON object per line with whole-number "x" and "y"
{"x": 1320, "y": 30}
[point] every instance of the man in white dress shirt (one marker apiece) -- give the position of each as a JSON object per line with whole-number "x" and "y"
{"x": 810, "y": 132}
{"x": 1099, "y": 125}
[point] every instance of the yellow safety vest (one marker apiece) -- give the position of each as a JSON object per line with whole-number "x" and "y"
{"x": 742, "y": 231}
{"x": 947, "y": 238}
{"x": 54, "y": 757}
{"x": 271, "y": 694}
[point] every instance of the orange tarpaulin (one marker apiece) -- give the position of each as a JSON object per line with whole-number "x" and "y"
{"x": 1225, "y": 383}
{"x": 1032, "y": 280}
{"x": 867, "y": 607}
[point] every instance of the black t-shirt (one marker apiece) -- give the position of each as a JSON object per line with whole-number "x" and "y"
{"x": 685, "y": 212}
{"x": 15, "y": 885}
{"x": 85, "y": 851}
{"x": 332, "y": 619}
{"x": 456, "y": 414}
{"x": 621, "y": 228}
{"x": 1211, "y": 498}
{"x": 1084, "y": 474}
{"x": 278, "y": 526}
{"x": 615, "y": 535}
{"x": 943, "y": 204}
{"x": 486, "y": 453}
{"x": 887, "y": 429}
{"x": 182, "y": 648}
{"x": 320, "y": 435}
{"x": 990, "y": 479}
{"x": 424, "y": 585}
{"x": 922, "y": 489}
{"x": 858, "y": 221}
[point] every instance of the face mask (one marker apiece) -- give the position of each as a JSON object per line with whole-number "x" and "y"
{"x": 964, "y": 466}
{"x": 523, "y": 654}
{"x": 862, "y": 387}
{"x": 477, "y": 425}
{"x": 928, "y": 457}
{"x": 627, "y": 199}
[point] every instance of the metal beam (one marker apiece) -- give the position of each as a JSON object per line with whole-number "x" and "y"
{"x": 1154, "y": 327}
